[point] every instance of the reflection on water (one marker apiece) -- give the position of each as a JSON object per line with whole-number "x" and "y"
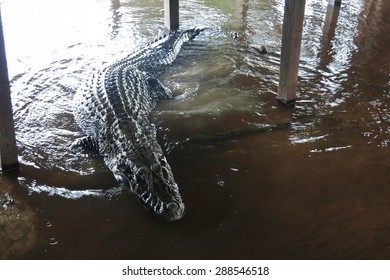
{"x": 259, "y": 180}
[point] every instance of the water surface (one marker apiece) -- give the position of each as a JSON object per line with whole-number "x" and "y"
{"x": 260, "y": 181}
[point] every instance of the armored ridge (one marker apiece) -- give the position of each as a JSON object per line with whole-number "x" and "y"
{"x": 113, "y": 111}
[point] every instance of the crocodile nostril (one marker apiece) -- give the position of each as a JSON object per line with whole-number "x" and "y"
{"x": 174, "y": 211}
{"x": 173, "y": 206}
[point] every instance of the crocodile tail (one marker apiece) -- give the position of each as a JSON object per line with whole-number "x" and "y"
{"x": 160, "y": 53}
{"x": 166, "y": 49}
{"x": 192, "y": 33}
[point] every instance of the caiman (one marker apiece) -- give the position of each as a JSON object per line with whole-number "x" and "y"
{"x": 113, "y": 108}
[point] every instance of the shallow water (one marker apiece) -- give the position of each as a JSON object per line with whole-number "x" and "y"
{"x": 260, "y": 181}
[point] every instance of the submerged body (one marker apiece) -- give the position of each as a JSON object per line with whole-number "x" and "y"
{"x": 113, "y": 111}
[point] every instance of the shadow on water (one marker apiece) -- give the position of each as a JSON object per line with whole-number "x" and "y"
{"x": 260, "y": 181}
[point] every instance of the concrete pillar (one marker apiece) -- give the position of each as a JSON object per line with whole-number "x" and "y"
{"x": 334, "y": 2}
{"x": 8, "y": 149}
{"x": 294, "y": 11}
{"x": 171, "y": 14}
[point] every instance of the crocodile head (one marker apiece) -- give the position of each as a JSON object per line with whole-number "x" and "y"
{"x": 153, "y": 182}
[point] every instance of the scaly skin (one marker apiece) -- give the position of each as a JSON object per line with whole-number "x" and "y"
{"x": 113, "y": 111}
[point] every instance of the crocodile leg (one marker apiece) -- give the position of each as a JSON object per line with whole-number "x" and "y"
{"x": 159, "y": 89}
{"x": 84, "y": 144}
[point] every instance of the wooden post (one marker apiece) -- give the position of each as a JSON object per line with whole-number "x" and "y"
{"x": 334, "y": 2}
{"x": 330, "y": 25}
{"x": 242, "y": 14}
{"x": 328, "y": 34}
{"x": 294, "y": 11}
{"x": 171, "y": 13}
{"x": 8, "y": 149}
{"x": 115, "y": 4}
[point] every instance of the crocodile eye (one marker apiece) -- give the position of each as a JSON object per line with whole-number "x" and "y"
{"x": 122, "y": 168}
{"x": 163, "y": 163}
{"x": 156, "y": 168}
{"x": 142, "y": 173}
{"x": 165, "y": 174}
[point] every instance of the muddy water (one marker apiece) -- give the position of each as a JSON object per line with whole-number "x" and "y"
{"x": 260, "y": 181}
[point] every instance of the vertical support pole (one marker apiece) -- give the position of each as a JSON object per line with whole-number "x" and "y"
{"x": 241, "y": 13}
{"x": 332, "y": 14}
{"x": 115, "y": 4}
{"x": 330, "y": 24}
{"x": 294, "y": 11}
{"x": 171, "y": 14}
{"x": 328, "y": 34}
{"x": 334, "y": 2}
{"x": 8, "y": 149}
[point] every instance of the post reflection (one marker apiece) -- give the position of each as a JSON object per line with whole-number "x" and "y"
{"x": 116, "y": 17}
{"x": 241, "y": 14}
{"x": 372, "y": 58}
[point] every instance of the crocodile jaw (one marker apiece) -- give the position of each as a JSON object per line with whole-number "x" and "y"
{"x": 158, "y": 192}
